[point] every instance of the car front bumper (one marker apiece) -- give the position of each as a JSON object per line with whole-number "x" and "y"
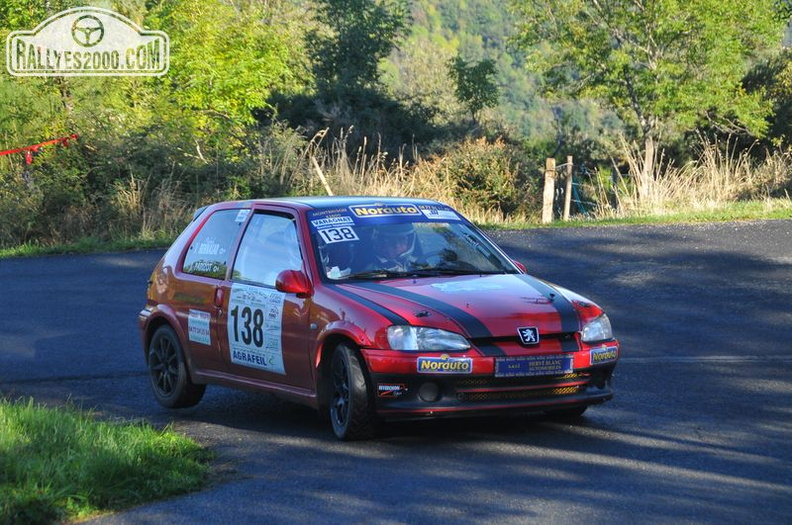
{"x": 414, "y": 395}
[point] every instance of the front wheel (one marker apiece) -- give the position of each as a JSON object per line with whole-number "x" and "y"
{"x": 170, "y": 379}
{"x": 351, "y": 410}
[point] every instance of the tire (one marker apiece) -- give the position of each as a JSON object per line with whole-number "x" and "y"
{"x": 566, "y": 414}
{"x": 351, "y": 407}
{"x": 168, "y": 374}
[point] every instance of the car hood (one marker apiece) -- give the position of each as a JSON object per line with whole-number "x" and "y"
{"x": 480, "y": 307}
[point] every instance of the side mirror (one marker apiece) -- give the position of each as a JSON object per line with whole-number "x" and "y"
{"x": 294, "y": 281}
{"x": 521, "y": 266}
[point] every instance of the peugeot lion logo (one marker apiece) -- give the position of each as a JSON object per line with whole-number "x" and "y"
{"x": 529, "y": 335}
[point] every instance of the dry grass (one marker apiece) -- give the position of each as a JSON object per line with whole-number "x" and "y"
{"x": 373, "y": 172}
{"x": 145, "y": 212}
{"x": 720, "y": 175}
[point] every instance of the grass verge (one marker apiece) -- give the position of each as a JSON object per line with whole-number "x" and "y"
{"x": 62, "y": 464}
{"x": 86, "y": 245}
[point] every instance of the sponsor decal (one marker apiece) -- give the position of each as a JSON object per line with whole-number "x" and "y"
{"x": 242, "y": 215}
{"x": 254, "y": 327}
{"x": 439, "y": 214}
{"x": 330, "y": 222}
{"x": 445, "y": 364}
{"x": 606, "y": 354}
{"x": 198, "y": 327}
{"x": 210, "y": 247}
{"x": 364, "y": 211}
{"x": 535, "y": 365}
{"x": 529, "y": 335}
{"x": 87, "y": 41}
{"x": 391, "y": 389}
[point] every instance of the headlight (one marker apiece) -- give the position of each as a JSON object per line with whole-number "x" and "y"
{"x": 598, "y": 329}
{"x": 420, "y": 338}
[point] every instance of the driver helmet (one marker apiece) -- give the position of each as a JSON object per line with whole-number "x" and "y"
{"x": 394, "y": 242}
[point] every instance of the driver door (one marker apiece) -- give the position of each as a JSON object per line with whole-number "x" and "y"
{"x": 264, "y": 337}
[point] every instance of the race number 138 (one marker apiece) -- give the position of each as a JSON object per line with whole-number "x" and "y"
{"x": 252, "y": 329}
{"x": 342, "y": 234}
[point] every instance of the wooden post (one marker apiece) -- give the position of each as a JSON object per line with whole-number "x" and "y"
{"x": 321, "y": 176}
{"x": 549, "y": 191}
{"x": 568, "y": 188}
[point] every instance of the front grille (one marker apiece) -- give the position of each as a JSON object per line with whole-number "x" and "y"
{"x": 518, "y": 394}
{"x": 483, "y": 389}
{"x": 567, "y": 341}
{"x": 489, "y": 382}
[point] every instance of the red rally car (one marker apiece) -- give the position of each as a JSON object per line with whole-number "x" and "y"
{"x": 367, "y": 309}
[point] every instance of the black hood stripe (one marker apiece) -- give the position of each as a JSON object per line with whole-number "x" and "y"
{"x": 570, "y": 320}
{"x": 472, "y": 324}
{"x": 390, "y": 315}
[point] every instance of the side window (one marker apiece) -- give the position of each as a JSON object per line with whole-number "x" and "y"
{"x": 268, "y": 247}
{"x": 210, "y": 249}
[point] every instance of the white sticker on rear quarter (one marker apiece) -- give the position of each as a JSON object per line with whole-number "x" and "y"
{"x": 198, "y": 329}
{"x": 254, "y": 327}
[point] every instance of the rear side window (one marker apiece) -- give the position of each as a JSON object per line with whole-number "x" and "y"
{"x": 210, "y": 250}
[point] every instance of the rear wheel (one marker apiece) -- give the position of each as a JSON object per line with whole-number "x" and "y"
{"x": 170, "y": 379}
{"x": 351, "y": 408}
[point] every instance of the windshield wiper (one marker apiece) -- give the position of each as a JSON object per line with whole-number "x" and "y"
{"x": 421, "y": 272}
{"x": 424, "y": 272}
{"x": 378, "y": 274}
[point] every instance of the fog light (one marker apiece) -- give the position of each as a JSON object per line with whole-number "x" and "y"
{"x": 429, "y": 392}
{"x": 600, "y": 379}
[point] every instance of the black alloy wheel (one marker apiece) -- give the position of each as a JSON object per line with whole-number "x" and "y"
{"x": 351, "y": 411}
{"x": 170, "y": 379}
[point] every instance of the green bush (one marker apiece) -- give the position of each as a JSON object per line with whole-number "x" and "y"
{"x": 490, "y": 175}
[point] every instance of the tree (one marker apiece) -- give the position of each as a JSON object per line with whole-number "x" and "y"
{"x": 664, "y": 66}
{"x": 475, "y": 86}
{"x": 226, "y": 58}
{"x": 359, "y": 34}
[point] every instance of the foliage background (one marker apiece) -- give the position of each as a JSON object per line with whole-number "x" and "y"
{"x": 376, "y": 95}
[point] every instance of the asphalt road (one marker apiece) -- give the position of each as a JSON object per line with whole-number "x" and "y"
{"x": 699, "y": 431}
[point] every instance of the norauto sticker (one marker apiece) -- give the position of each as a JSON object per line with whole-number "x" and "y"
{"x": 379, "y": 210}
{"x": 606, "y": 354}
{"x": 445, "y": 365}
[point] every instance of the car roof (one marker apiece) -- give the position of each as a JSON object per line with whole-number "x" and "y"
{"x": 325, "y": 202}
{"x": 333, "y": 202}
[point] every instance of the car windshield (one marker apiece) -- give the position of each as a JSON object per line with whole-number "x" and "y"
{"x": 403, "y": 247}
